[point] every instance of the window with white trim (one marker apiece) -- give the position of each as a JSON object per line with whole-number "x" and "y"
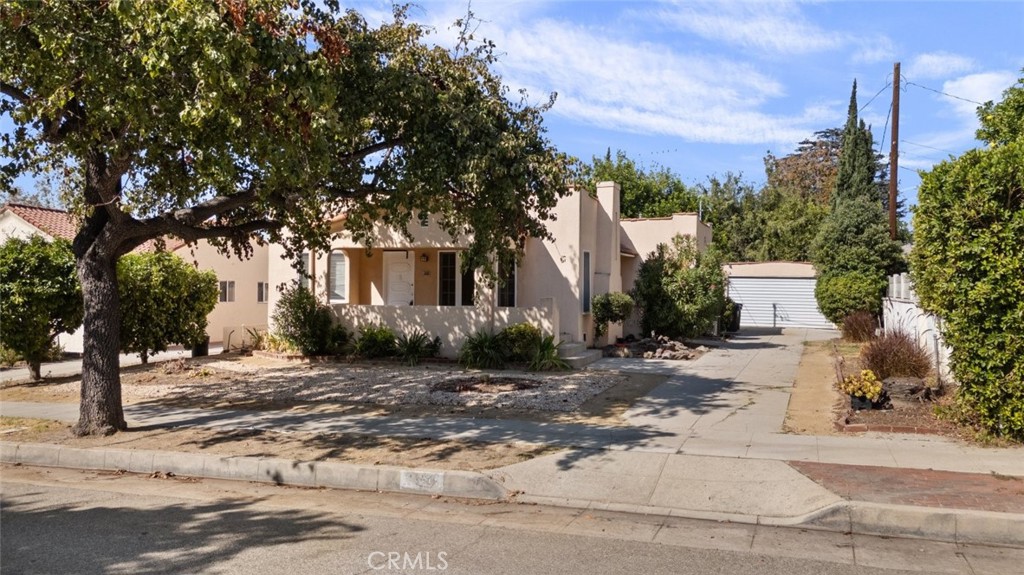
{"x": 454, "y": 286}
{"x": 303, "y": 272}
{"x": 337, "y": 276}
{"x": 262, "y": 292}
{"x": 227, "y": 291}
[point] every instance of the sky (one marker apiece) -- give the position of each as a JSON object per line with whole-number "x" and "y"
{"x": 706, "y": 88}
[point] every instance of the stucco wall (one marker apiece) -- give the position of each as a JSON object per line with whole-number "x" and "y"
{"x": 230, "y": 319}
{"x": 14, "y": 226}
{"x": 770, "y": 270}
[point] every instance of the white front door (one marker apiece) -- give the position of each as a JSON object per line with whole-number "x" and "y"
{"x": 398, "y": 278}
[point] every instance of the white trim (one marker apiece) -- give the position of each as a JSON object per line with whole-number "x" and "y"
{"x": 330, "y": 276}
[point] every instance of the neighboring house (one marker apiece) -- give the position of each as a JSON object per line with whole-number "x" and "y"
{"x": 244, "y": 291}
{"x": 244, "y": 288}
{"x": 775, "y": 294}
{"x": 418, "y": 284}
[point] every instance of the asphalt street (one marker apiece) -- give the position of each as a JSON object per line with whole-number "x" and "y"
{"x": 68, "y": 521}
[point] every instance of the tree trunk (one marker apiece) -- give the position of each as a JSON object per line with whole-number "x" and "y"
{"x": 100, "y": 410}
{"x": 35, "y": 370}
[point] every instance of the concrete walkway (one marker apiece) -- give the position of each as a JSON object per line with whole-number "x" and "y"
{"x": 707, "y": 443}
{"x": 73, "y": 367}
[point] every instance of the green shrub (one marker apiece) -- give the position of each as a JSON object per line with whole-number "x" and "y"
{"x": 416, "y": 346}
{"x": 521, "y": 340}
{"x": 339, "y": 339}
{"x": 895, "y": 354}
{"x": 303, "y": 322}
{"x": 613, "y": 307}
{"x": 679, "y": 290}
{"x": 8, "y": 357}
{"x": 483, "y": 350}
{"x": 841, "y": 295}
{"x": 376, "y": 341}
{"x": 859, "y": 326}
{"x": 967, "y": 264}
{"x": 546, "y": 358}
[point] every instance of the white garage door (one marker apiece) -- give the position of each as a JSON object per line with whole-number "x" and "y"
{"x": 777, "y": 302}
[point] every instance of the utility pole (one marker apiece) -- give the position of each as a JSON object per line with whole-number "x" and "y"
{"x": 894, "y": 149}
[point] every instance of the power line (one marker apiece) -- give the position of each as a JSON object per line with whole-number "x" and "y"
{"x": 909, "y": 83}
{"x": 884, "y": 129}
{"x": 928, "y": 147}
{"x": 887, "y": 84}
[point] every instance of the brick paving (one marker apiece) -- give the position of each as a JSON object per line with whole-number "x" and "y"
{"x": 920, "y": 487}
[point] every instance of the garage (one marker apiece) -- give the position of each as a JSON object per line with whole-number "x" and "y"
{"x": 775, "y": 294}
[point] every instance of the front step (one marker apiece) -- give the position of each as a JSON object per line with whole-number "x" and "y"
{"x": 577, "y": 355}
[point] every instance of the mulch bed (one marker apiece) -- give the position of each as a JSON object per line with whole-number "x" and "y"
{"x": 904, "y": 417}
{"x": 486, "y": 385}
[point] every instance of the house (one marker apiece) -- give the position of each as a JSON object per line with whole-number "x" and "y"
{"x": 775, "y": 294}
{"x": 244, "y": 290}
{"x": 418, "y": 284}
{"x": 243, "y": 283}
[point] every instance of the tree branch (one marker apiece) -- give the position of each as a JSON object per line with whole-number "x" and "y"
{"x": 369, "y": 150}
{"x": 14, "y": 92}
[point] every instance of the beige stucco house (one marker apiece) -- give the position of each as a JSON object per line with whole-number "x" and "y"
{"x": 244, "y": 291}
{"x": 418, "y": 284}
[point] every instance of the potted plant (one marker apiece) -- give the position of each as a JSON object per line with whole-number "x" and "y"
{"x": 865, "y": 391}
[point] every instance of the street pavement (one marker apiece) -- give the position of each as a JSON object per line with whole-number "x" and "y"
{"x": 707, "y": 443}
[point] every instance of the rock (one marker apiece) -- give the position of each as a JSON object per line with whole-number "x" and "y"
{"x": 702, "y": 348}
{"x": 906, "y": 388}
{"x": 616, "y": 351}
{"x": 648, "y": 354}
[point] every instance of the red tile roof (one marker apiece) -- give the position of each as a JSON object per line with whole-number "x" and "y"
{"x": 55, "y": 223}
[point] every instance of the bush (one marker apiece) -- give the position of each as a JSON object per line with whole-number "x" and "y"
{"x": 376, "y": 341}
{"x": 608, "y": 308}
{"x": 967, "y": 264}
{"x": 895, "y": 354}
{"x": 483, "y": 350}
{"x": 680, "y": 291}
{"x": 416, "y": 346}
{"x": 8, "y": 357}
{"x": 546, "y": 358}
{"x": 40, "y": 297}
{"x": 859, "y": 326}
{"x": 304, "y": 323}
{"x": 521, "y": 340}
{"x": 841, "y": 295}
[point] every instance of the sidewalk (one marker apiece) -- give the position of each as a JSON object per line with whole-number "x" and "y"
{"x": 705, "y": 444}
{"x": 73, "y": 367}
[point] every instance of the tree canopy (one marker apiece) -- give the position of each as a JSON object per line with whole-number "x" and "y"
{"x": 235, "y": 121}
{"x": 644, "y": 193}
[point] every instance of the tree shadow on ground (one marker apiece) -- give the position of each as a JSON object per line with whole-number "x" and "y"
{"x": 161, "y": 538}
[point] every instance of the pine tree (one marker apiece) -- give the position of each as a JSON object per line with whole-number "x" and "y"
{"x": 858, "y": 164}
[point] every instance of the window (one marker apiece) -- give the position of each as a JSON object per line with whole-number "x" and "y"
{"x": 586, "y": 282}
{"x": 304, "y": 270}
{"x": 451, "y": 289}
{"x": 337, "y": 280}
{"x": 227, "y": 291}
{"x": 262, "y": 292}
{"x": 507, "y": 287}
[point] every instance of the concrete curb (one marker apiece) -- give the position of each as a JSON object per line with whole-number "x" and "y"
{"x": 933, "y": 524}
{"x": 465, "y": 484}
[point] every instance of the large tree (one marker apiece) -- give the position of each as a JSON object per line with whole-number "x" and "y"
{"x": 811, "y": 170}
{"x": 644, "y": 192}
{"x": 228, "y": 120}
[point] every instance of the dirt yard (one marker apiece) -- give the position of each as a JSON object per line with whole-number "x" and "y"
{"x": 235, "y": 381}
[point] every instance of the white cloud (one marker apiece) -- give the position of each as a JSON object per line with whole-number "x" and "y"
{"x": 777, "y": 27}
{"x": 980, "y": 87}
{"x": 938, "y": 65}
{"x": 873, "y": 50}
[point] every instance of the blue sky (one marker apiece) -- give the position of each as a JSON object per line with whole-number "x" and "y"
{"x": 708, "y": 87}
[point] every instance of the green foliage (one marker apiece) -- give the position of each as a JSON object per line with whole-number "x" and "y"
{"x": 855, "y": 237}
{"x": 895, "y": 354}
{"x": 164, "y": 301}
{"x": 303, "y": 322}
{"x": 236, "y": 121}
{"x": 521, "y": 341}
{"x": 546, "y": 358}
{"x": 679, "y": 291}
{"x": 840, "y": 295}
{"x": 40, "y": 296}
{"x": 644, "y": 193}
{"x": 483, "y": 350}
{"x": 8, "y": 357}
{"x": 780, "y": 224}
{"x": 413, "y": 347}
{"x": 614, "y": 307}
{"x": 725, "y": 204}
{"x": 968, "y": 267}
{"x": 376, "y": 341}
